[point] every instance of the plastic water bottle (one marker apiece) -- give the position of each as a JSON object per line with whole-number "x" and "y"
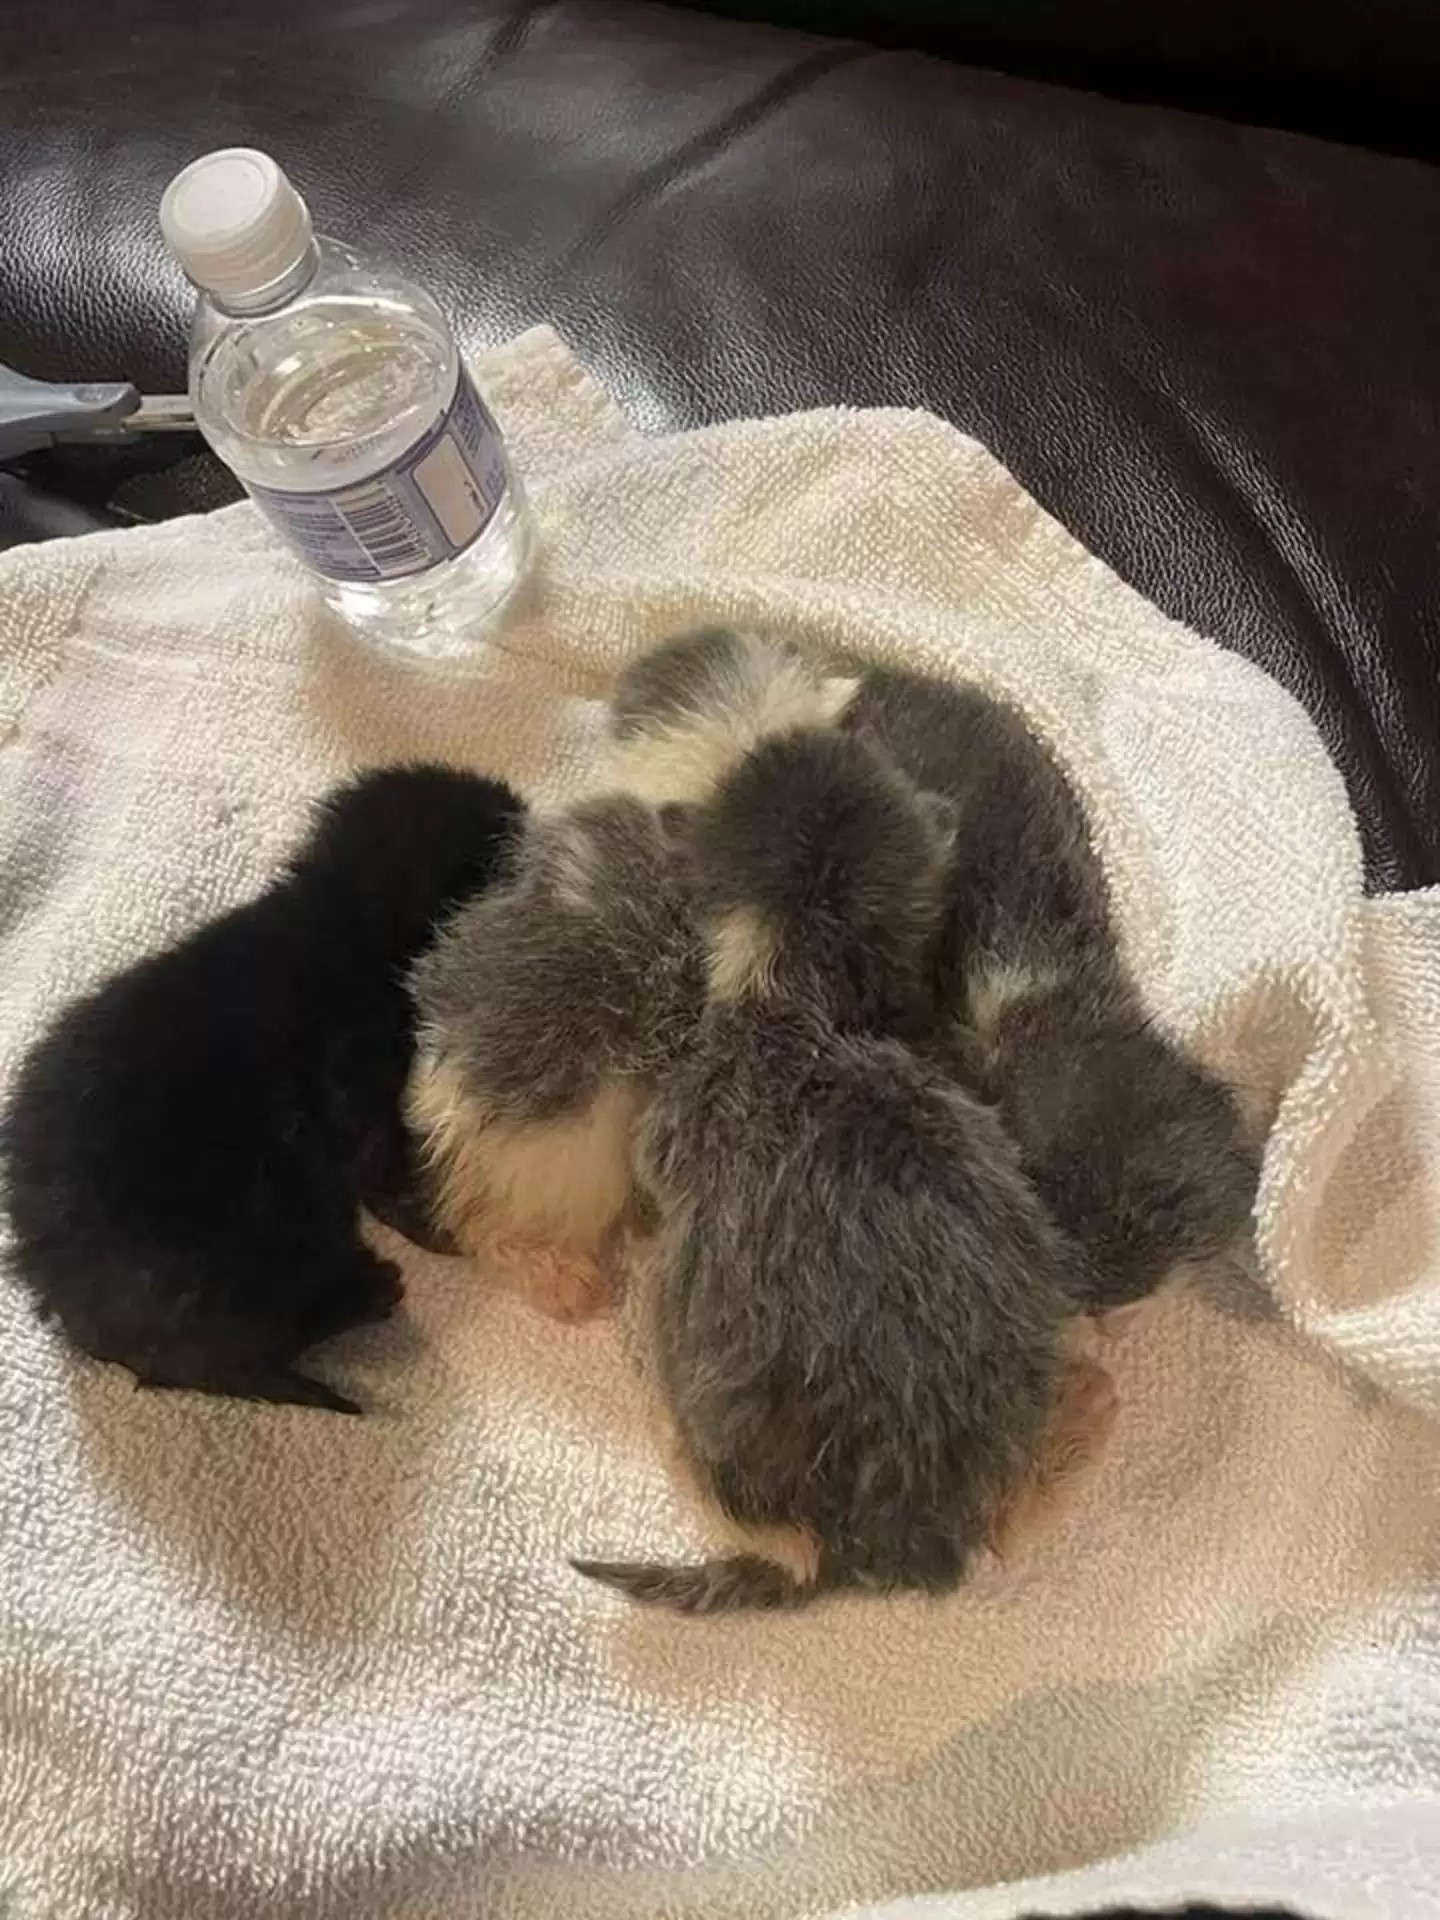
{"x": 333, "y": 389}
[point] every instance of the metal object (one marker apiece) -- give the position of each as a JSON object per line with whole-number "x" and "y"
{"x": 35, "y": 414}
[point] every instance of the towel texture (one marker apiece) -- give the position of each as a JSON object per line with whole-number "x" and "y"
{"x": 255, "y": 1661}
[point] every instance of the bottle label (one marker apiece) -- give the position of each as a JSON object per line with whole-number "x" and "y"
{"x": 424, "y": 508}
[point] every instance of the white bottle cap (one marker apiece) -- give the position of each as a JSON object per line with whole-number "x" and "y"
{"x": 235, "y": 223}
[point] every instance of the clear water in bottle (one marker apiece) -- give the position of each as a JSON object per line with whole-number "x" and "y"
{"x": 333, "y": 389}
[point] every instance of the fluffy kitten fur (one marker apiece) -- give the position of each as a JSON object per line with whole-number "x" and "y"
{"x": 545, "y": 1011}
{"x": 1138, "y": 1150}
{"x": 185, "y": 1149}
{"x": 859, "y": 1305}
{"x": 685, "y": 712}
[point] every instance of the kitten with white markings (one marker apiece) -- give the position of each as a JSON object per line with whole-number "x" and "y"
{"x": 860, "y": 1310}
{"x": 545, "y": 1012}
{"x": 1137, "y": 1148}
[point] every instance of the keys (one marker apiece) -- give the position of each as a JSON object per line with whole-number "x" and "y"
{"x": 35, "y": 414}
{"x": 162, "y": 413}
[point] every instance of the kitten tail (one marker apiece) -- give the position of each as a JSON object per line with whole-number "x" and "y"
{"x": 287, "y": 1388}
{"x": 742, "y": 1581}
{"x": 278, "y": 1386}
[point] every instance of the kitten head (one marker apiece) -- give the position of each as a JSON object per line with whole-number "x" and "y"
{"x": 395, "y": 849}
{"x": 819, "y": 870}
{"x": 686, "y": 712}
{"x": 582, "y": 964}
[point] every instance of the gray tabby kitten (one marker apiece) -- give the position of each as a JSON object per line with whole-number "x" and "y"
{"x": 1138, "y": 1150}
{"x": 543, "y": 1020}
{"x": 860, "y": 1309}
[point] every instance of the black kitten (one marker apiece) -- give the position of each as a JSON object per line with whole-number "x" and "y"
{"x": 186, "y": 1149}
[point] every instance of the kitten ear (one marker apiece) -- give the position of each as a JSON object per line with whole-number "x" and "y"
{"x": 942, "y": 815}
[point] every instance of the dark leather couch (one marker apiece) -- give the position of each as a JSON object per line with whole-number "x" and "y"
{"x": 1213, "y": 351}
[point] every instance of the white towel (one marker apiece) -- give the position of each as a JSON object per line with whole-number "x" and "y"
{"x": 254, "y": 1661}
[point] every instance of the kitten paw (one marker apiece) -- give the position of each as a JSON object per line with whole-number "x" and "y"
{"x": 562, "y": 1286}
{"x": 1074, "y": 1441}
{"x": 1083, "y": 1422}
{"x": 384, "y": 1290}
{"x": 1119, "y": 1321}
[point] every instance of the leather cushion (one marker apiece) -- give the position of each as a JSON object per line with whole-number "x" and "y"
{"x": 1365, "y": 71}
{"x": 1209, "y": 350}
